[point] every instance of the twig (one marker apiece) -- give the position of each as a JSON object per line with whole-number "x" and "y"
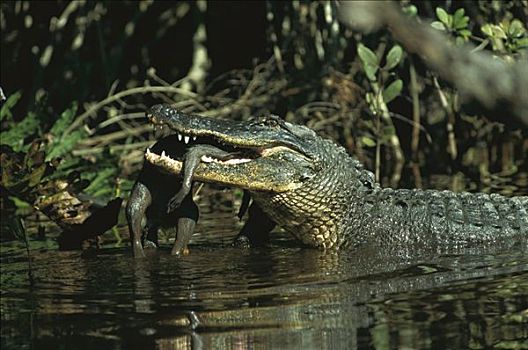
{"x": 111, "y": 137}
{"x": 120, "y": 117}
{"x": 139, "y": 90}
{"x": 451, "y": 139}
{"x": 416, "y": 112}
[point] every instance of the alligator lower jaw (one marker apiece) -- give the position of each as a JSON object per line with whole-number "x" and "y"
{"x": 266, "y": 173}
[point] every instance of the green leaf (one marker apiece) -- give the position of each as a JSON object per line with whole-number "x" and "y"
{"x": 486, "y": 29}
{"x": 370, "y": 71}
{"x": 458, "y": 14}
{"x": 459, "y": 40}
{"x": 410, "y": 10}
{"x": 461, "y": 23}
{"x": 493, "y": 31}
{"x": 370, "y": 61}
{"x": 101, "y": 181}
{"x": 443, "y": 16}
{"x": 393, "y": 57}
{"x": 392, "y": 91}
{"x": 63, "y": 143}
{"x": 516, "y": 29}
{"x": 367, "y": 141}
{"x": 367, "y": 56}
{"x": 459, "y": 20}
{"x": 11, "y": 101}
{"x": 521, "y": 43}
{"x": 64, "y": 121}
{"x": 438, "y": 25}
{"x": 464, "y": 33}
{"x": 15, "y": 136}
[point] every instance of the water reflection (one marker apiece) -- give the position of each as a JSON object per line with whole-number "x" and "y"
{"x": 277, "y": 297}
{"x": 281, "y": 296}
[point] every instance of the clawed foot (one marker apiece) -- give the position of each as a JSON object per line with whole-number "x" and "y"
{"x": 175, "y": 202}
{"x": 179, "y": 251}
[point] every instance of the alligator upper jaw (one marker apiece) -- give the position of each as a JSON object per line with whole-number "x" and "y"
{"x": 248, "y": 135}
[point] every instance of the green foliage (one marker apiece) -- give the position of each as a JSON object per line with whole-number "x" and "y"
{"x": 64, "y": 142}
{"x": 367, "y": 141}
{"x": 16, "y": 136}
{"x": 410, "y": 10}
{"x": 379, "y": 78}
{"x": 455, "y": 24}
{"x": 392, "y": 91}
{"x": 393, "y": 57}
{"x": 11, "y": 101}
{"x": 507, "y": 37}
{"x": 370, "y": 61}
{"x": 101, "y": 181}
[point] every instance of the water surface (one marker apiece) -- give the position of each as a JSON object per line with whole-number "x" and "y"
{"x": 281, "y": 296}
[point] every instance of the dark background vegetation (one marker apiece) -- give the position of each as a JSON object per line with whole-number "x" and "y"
{"x": 235, "y": 59}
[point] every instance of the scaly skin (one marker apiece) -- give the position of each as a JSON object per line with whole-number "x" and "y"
{"x": 323, "y": 196}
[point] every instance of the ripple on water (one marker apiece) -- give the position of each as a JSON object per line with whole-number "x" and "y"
{"x": 274, "y": 296}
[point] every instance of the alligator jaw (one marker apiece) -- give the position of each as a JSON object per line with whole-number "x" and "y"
{"x": 259, "y": 174}
{"x": 266, "y": 154}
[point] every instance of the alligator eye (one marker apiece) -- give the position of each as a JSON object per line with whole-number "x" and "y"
{"x": 271, "y": 122}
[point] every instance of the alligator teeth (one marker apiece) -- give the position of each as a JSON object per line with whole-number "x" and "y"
{"x": 148, "y": 150}
{"x": 179, "y": 137}
{"x": 206, "y": 159}
{"x": 194, "y": 138}
{"x": 236, "y": 161}
{"x": 186, "y": 138}
{"x": 163, "y": 154}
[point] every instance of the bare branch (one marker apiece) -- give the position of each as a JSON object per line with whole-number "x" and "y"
{"x": 479, "y": 77}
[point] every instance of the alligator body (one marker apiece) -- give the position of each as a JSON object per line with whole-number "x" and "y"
{"x": 315, "y": 190}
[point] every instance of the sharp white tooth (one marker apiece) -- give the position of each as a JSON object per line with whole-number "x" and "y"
{"x": 179, "y": 137}
{"x": 163, "y": 154}
{"x": 194, "y": 138}
{"x": 206, "y": 159}
{"x": 148, "y": 150}
{"x": 237, "y": 161}
{"x": 186, "y": 138}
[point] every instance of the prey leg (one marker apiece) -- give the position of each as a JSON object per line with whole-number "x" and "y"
{"x": 192, "y": 160}
{"x": 140, "y": 199}
{"x": 187, "y": 217}
{"x": 244, "y": 205}
{"x": 256, "y": 230}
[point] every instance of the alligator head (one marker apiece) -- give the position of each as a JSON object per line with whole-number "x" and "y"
{"x": 269, "y": 154}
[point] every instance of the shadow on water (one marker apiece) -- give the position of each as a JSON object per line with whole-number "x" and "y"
{"x": 281, "y": 296}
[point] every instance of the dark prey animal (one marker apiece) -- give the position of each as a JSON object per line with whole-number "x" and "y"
{"x": 315, "y": 190}
{"x": 146, "y": 210}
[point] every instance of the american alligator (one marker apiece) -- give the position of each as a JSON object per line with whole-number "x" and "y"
{"x": 316, "y": 191}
